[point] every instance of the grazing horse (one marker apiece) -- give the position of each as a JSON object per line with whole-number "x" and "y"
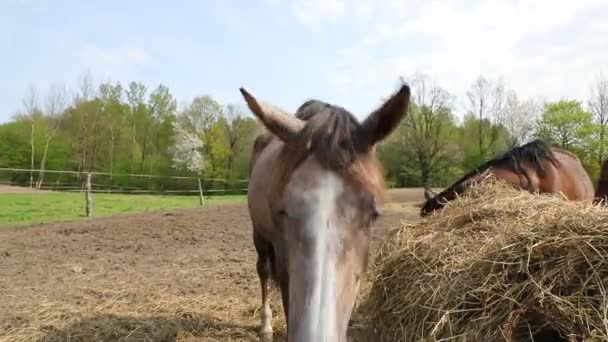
{"x": 534, "y": 167}
{"x": 601, "y": 194}
{"x": 315, "y": 188}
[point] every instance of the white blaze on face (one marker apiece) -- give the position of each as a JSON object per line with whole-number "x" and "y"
{"x": 318, "y": 321}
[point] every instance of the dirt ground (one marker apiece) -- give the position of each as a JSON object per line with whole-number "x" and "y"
{"x": 179, "y": 275}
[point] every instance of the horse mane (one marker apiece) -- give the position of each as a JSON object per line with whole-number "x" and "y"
{"x": 533, "y": 153}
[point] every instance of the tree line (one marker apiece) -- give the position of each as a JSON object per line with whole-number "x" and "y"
{"x": 136, "y": 130}
{"x": 433, "y": 148}
{"x": 126, "y": 129}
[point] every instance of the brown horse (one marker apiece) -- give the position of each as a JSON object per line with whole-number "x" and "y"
{"x": 534, "y": 167}
{"x": 601, "y": 194}
{"x": 315, "y": 187}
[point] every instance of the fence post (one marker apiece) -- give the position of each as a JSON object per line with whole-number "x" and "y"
{"x": 200, "y": 192}
{"x": 87, "y": 196}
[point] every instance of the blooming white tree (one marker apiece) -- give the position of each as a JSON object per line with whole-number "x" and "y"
{"x": 187, "y": 150}
{"x": 193, "y": 128}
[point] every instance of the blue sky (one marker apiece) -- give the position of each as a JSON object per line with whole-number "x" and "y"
{"x": 285, "y": 51}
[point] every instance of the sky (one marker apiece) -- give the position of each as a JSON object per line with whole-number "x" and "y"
{"x": 346, "y": 52}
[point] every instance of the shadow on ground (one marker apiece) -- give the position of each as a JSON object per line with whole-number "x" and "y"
{"x": 187, "y": 328}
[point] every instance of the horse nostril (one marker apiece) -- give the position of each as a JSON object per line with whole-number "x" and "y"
{"x": 375, "y": 213}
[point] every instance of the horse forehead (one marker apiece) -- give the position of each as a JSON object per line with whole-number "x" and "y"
{"x": 312, "y": 180}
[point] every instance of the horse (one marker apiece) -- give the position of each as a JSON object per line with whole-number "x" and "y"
{"x": 601, "y": 193}
{"x": 315, "y": 189}
{"x": 534, "y": 167}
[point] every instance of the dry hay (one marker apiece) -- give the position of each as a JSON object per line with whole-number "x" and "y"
{"x": 497, "y": 264}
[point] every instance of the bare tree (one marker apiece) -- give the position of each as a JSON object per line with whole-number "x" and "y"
{"x": 598, "y": 106}
{"x": 429, "y": 124}
{"x": 30, "y": 104}
{"x": 499, "y": 92}
{"x": 55, "y": 104}
{"x": 87, "y": 118}
{"x": 85, "y": 88}
{"x": 518, "y": 117}
{"x": 486, "y": 99}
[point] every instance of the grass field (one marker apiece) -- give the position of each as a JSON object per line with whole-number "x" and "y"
{"x": 28, "y": 208}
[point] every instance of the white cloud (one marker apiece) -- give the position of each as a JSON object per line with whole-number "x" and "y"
{"x": 545, "y": 47}
{"x": 316, "y": 12}
{"x": 312, "y": 12}
{"x": 117, "y": 62}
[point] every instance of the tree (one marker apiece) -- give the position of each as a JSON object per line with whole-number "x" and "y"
{"x": 85, "y": 112}
{"x": 519, "y": 118}
{"x": 469, "y": 147}
{"x": 598, "y": 106}
{"x": 430, "y": 125}
{"x": 565, "y": 123}
{"x": 114, "y": 113}
{"x": 240, "y": 131}
{"x": 30, "y": 104}
{"x": 192, "y": 133}
{"x": 187, "y": 149}
{"x": 486, "y": 102}
{"x": 161, "y": 106}
{"x": 136, "y": 94}
{"x": 55, "y": 104}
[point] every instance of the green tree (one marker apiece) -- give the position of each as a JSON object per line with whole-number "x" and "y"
{"x": 114, "y": 112}
{"x": 138, "y": 115}
{"x": 565, "y": 123}
{"x": 431, "y": 129}
{"x": 469, "y": 148}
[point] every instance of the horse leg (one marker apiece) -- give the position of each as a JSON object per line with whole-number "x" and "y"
{"x": 282, "y": 277}
{"x": 284, "y": 285}
{"x": 264, "y": 250}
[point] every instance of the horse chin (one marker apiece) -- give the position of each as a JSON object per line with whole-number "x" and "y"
{"x": 323, "y": 285}
{"x": 320, "y": 308}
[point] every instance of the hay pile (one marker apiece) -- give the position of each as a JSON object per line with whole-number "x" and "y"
{"x": 497, "y": 264}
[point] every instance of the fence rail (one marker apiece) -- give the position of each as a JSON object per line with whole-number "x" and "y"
{"x": 86, "y": 185}
{"x": 96, "y": 173}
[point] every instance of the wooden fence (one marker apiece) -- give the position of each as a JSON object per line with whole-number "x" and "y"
{"x": 86, "y": 185}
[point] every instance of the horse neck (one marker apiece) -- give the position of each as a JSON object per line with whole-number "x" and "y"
{"x": 457, "y": 188}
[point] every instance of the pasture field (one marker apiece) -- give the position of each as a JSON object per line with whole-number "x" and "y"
{"x": 171, "y": 275}
{"x": 25, "y": 206}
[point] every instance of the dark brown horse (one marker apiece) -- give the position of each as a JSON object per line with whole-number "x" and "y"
{"x": 315, "y": 187}
{"x": 601, "y": 193}
{"x": 534, "y": 167}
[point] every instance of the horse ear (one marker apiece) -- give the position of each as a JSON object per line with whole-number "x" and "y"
{"x": 380, "y": 123}
{"x": 428, "y": 193}
{"x": 282, "y": 124}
